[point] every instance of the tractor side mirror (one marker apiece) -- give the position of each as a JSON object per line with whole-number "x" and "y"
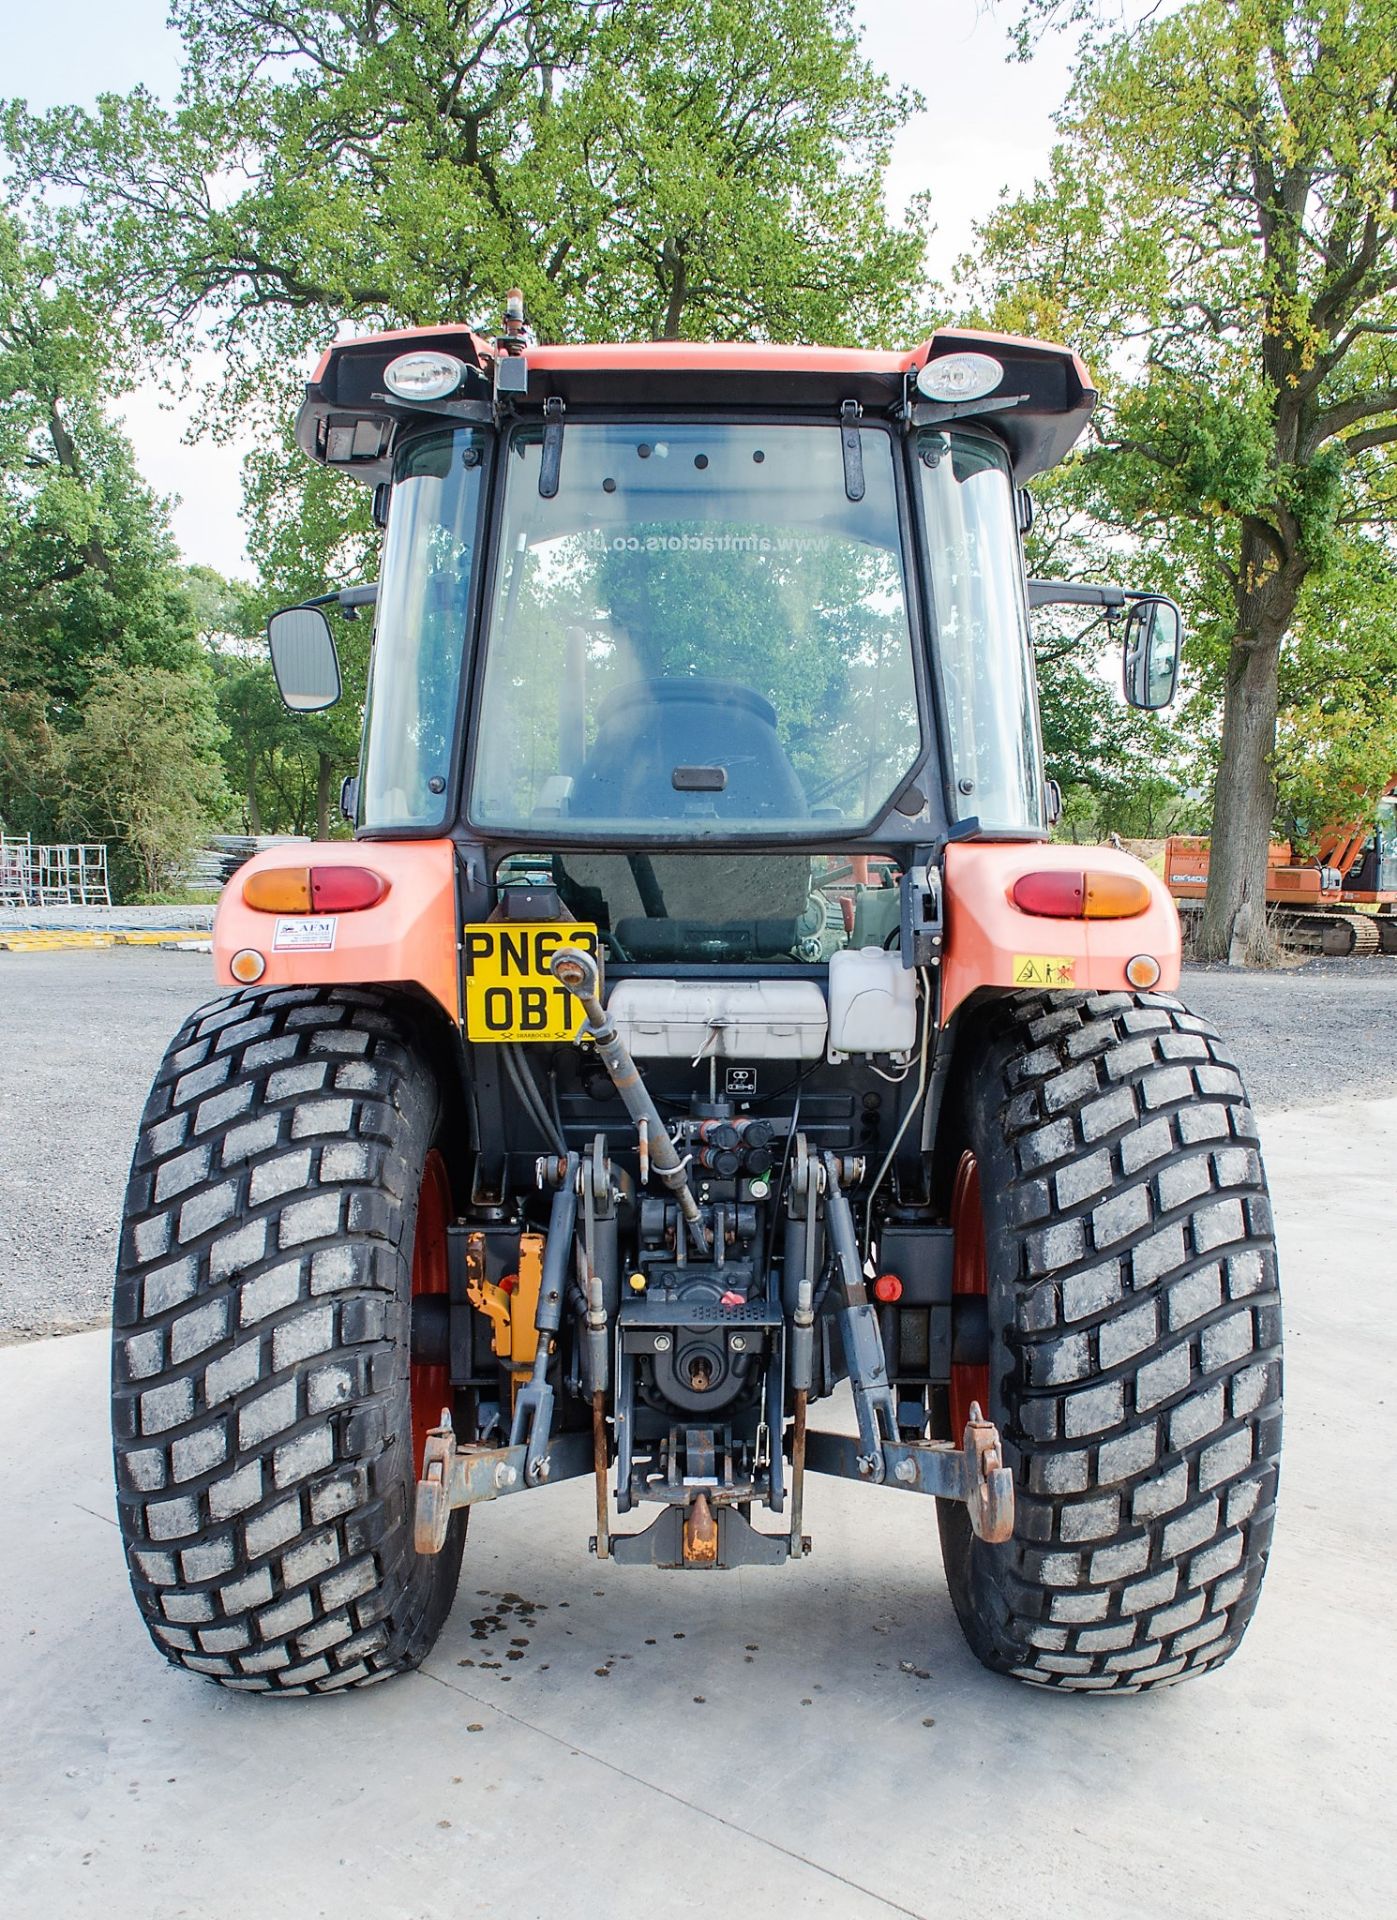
{"x": 304, "y": 660}
{"x": 1153, "y": 630}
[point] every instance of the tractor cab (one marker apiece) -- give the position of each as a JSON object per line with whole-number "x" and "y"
{"x": 701, "y": 596}
{"x": 747, "y": 612}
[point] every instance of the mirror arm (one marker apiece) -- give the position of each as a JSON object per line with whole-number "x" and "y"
{"x": 347, "y": 599}
{"x": 1071, "y": 593}
{"x": 364, "y": 596}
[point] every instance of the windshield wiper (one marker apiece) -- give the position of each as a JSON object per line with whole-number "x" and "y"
{"x": 551, "y": 464}
{"x": 851, "y": 440}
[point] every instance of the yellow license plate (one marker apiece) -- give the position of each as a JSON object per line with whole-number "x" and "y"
{"x": 1044, "y": 970}
{"x": 510, "y": 992}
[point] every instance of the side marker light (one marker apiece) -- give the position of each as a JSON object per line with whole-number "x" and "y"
{"x": 345, "y": 889}
{"x": 247, "y": 966}
{"x": 1143, "y": 971}
{"x": 278, "y": 890}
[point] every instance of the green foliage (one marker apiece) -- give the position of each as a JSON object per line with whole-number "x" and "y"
{"x": 100, "y": 659}
{"x": 1336, "y": 749}
{"x": 672, "y": 168}
{"x": 1120, "y": 771}
{"x": 88, "y": 571}
{"x": 665, "y": 167}
{"x": 146, "y": 770}
{"x": 1144, "y": 808}
{"x": 309, "y": 531}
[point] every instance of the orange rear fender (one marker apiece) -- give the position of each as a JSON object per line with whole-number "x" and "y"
{"x": 409, "y": 937}
{"x": 990, "y": 942}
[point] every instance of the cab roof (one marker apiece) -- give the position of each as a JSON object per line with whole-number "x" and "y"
{"x": 349, "y": 421}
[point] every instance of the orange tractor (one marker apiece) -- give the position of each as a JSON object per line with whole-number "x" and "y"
{"x": 700, "y": 1025}
{"x": 1342, "y": 901}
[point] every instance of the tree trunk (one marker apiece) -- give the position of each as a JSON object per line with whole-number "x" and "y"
{"x": 324, "y": 768}
{"x": 1234, "y": 912}
{"x": 673, "y": 256}
{"x": 1234, "y": 925}
{"x": 254, "y": 807}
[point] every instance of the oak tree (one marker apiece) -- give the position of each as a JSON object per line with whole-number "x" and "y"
{"x": 1218, "y": 231}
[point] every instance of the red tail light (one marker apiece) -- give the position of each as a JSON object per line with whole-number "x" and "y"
{"x": 1058, "y": 895}
{"x": 345, "y": 889}
{"x": 1064, "y": 895}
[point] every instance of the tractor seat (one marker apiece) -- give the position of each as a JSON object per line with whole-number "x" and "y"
{"x": 649, "y": 728}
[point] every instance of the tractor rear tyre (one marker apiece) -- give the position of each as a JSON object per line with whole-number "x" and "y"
{"x": 287, "y": 1198}
{"x": 1134, "y": 1340}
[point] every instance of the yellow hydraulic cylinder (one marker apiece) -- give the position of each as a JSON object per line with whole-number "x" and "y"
{"x": 511, "y": 1307}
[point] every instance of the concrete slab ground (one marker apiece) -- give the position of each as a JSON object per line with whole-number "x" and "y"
{"x": 804, "y": 1741}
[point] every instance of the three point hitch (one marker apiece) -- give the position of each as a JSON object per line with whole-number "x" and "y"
{"x": 705, "y": 1480}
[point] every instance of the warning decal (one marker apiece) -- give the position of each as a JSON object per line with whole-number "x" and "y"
{"x": 1044, "y": 970}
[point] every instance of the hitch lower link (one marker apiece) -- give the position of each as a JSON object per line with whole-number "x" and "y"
{"x": 460, "y": 1476}
{"x": 973, "y": 1472}
{"x": 456, "y": 1476}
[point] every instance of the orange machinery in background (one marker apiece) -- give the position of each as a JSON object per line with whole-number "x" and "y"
{"x": 1342, "y": 901}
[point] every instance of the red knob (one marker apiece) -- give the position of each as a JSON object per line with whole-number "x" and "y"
{"x": 887, "y": 1288}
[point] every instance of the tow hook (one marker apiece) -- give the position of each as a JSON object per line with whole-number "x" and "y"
{"x": 700, "y": 1534}
{"x": 989, "y": 1499}
{"x": 433, "y": 1511}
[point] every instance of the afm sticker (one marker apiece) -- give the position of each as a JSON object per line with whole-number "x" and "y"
{"x": 510, "y": 992}
{"x": 1044, "y": 970}
{"x": 313, "y": 934}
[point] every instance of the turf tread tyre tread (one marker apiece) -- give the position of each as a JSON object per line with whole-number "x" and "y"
{"x": 261, "y": 1328}
{"x": 1135, "y": 1344}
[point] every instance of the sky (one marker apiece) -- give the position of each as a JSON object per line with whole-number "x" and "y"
{"x": 987, "y": 127}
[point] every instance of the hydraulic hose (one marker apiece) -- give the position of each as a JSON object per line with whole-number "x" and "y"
{"x": 918, "y": 1096}
{"x": 532, "y": 1100}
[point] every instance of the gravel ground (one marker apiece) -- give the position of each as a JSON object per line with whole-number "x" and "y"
{"x": 1317, "y": 1033}
{"x": 81, "y": 1035}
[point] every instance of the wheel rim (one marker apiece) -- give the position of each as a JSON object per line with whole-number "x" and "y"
{"x": 969, "y": 1280}
{"x": 431, "y": 1383}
